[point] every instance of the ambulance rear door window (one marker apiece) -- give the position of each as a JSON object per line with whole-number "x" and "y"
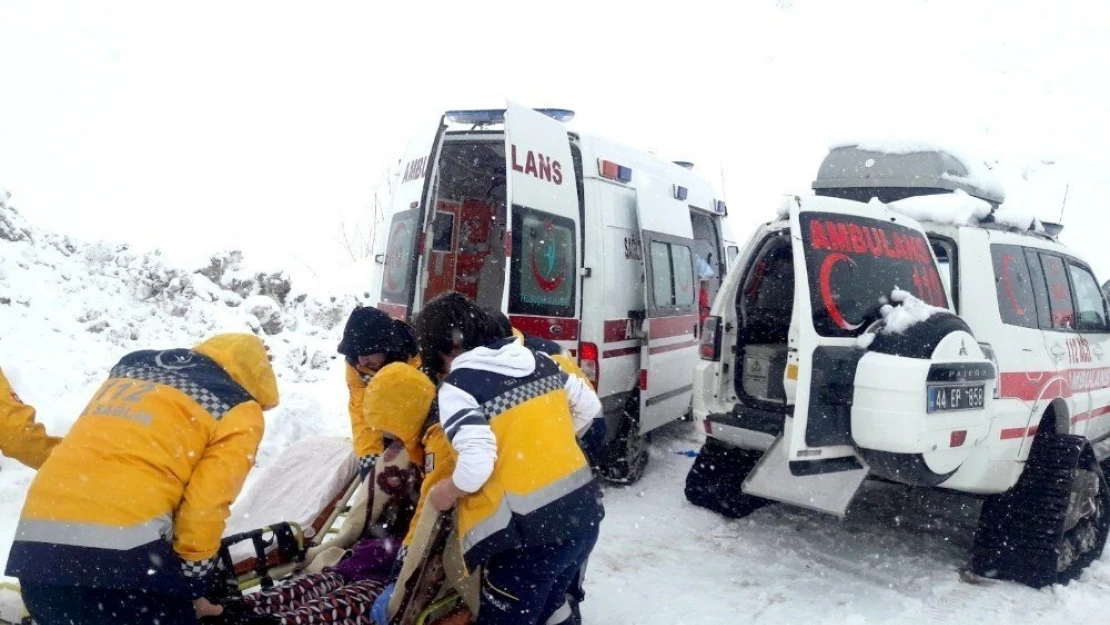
{"x": 543, "y": 279}
{"x": 854, "y": 264}
{"x": 400, "y": 251}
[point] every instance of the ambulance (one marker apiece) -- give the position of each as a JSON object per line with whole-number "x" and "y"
{"x": 611, "y": 252}
{"x": 901, "y": 324}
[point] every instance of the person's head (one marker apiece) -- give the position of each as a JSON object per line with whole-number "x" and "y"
{"x": 401, "y": 346}
{"x": 401, "y": 415}
{"x": 246, "y": 359}
{"x": 502, "y": 321}
{"x": 451, "y": 324}
{"x": 368, "y": 338}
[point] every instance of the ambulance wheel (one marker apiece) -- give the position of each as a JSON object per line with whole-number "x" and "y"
{"x": 715, "y": 479}
{"x": 624, "y": 458}
{"x": 1052, "y": 523}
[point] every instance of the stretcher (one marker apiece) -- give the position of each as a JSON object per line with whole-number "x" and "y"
{"x": 433, "y": 588}
{"x": 297, "y": 510}
{"x": 301, "y": 513}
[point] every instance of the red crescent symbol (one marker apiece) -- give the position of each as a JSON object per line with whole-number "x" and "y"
{"x": 394, "y": 256}
{"x": 1007, "y": 284}
{"x": 549, "y": 285}
{"x": 826, "y": 291}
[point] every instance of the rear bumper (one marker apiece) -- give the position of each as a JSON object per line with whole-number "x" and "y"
{"x": 757, "y": 432}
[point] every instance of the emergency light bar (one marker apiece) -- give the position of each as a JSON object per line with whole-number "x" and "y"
{"x": 613, "y": 171}
{"x": 497, "y": 116}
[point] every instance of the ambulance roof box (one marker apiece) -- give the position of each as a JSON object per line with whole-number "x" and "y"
{"x": 892, "y": 171}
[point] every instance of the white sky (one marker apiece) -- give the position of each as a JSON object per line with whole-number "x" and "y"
{"x": 199, "y": 125}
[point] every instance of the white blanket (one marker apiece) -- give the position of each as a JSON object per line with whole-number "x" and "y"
{"x": 307, "y": 476}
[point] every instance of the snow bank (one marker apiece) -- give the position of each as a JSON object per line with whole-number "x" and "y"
{"x": 69, "y": 309}
{"x": 957, "y": 209}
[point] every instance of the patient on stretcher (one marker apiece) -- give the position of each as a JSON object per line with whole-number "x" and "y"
{"x": 344, "y": 592}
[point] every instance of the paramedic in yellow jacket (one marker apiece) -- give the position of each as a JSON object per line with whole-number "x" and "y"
{"x": 126, "y": 516}
{"x": 371, "y": 340}
{"x": 20, "y": 436}
{"x": 529, "y": 508}
{"x": 593, "y": 438}
{"x": 398, "y": 403}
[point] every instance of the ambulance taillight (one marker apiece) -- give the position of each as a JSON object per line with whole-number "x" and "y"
{"x": 709, "y": 345}
{"x": 590, "y": 363}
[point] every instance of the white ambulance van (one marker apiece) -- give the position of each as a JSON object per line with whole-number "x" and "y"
{"x": 609, "y": 251}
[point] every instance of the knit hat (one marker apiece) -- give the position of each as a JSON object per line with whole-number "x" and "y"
{"x": 368, "y": 331}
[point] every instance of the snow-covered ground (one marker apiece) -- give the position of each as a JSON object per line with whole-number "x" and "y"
{"x": 69, "y": 310}
{"x": 894, "y": 559}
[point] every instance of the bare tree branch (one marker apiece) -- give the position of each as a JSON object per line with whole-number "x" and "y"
{"x": 358, "y": 236}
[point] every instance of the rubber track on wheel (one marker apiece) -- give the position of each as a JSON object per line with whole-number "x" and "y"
{"x": 1019, "y": 531}
{"x": 714, "y": 482}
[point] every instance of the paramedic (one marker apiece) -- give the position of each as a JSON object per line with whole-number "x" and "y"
{"x": 391, "y": 407}
{"x": 20, "y": 437}
{"x": 123, "y": 523}
{"x": 371, "y": 340}
{"x": 403, "y": 409}
{"x": 529, "y": 507}
{"x": 592, "y": 439}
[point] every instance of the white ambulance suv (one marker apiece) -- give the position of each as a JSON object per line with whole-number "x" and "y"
{"x": 968, "y": 351}
{"x": 611, "y": 252}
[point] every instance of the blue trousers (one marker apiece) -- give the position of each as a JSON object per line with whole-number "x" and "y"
{"x": 526, "y": 586}
{"x": 79, "y": 605}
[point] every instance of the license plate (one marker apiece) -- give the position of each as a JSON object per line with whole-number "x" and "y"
{"x": 945, "y": 398}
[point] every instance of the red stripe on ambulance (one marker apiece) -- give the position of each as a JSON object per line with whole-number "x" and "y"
{"x": 550, "y": 328}
{"x": 668, "y": 327}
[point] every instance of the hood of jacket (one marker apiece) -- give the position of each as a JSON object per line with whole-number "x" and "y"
{"x": 506, "y": 357}
{"x": 244, "y": 358}
{"x": 397, "y": 403}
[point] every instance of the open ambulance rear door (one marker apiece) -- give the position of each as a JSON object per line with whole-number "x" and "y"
{"x": 669, "y": 352}
{"x": 542, "y": 289}
{"x": 404, "y": 223}
{"x": 848, "y": 259}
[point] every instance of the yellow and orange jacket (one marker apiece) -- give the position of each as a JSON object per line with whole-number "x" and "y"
{"x": 20, "y": 436}
{"x": 398, "y": 403}
{"x": 138, "y": 493}
{"x": 367, "y": 439}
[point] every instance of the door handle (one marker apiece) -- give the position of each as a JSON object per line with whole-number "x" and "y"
{"x": 1057, "y": 350}
{"x": 1097, "y": 349}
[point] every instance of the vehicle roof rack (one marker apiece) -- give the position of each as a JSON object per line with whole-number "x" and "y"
{"x": 487, "y": 117}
